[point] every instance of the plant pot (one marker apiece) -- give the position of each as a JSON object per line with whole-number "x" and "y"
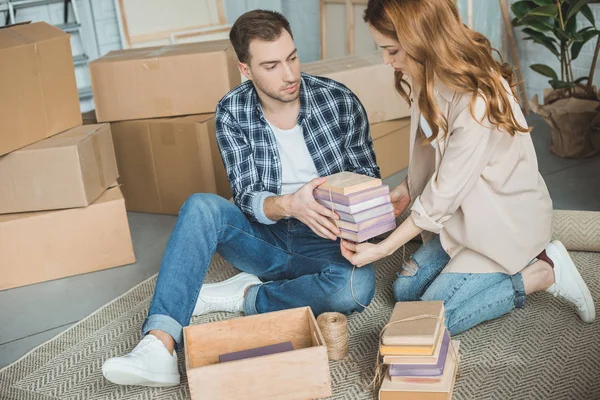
{"x": 574, "y": 123}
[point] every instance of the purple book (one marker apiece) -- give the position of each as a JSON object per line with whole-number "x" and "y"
{"x": 355, "y": 208}
{"x": 353, "y": 198}
{"x": 357, "y": 227}
{"x": 257, "y": 352}
{"x": 369, "y": 233}
{"x": 367, "y": 214}
{"x": 424, "y": 369}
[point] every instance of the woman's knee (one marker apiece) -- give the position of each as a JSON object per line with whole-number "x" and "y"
{"x": 407, "y": 287}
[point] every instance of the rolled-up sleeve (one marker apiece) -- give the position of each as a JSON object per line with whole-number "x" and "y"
{"x": 468, "y": 151}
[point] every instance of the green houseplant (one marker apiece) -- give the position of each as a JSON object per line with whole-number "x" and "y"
{"x": 571, "y": 105}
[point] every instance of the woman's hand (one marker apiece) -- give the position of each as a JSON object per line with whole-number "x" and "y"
{"x": 400, "y": 198}
{"x": 362, "y": 254}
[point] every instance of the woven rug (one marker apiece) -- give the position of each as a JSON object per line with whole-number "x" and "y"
{"x": 540, "y": 352}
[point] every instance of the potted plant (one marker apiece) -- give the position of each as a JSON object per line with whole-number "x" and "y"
{"x": 571, "y": 107}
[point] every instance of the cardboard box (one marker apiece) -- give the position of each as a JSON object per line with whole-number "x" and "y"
{"x": 391, "y": 141}
{"x": 89, "y": 117}
{"x": 71, "y": 169}
{"x": 302, "y": 373}
{"x": 164, "y": 161}
{"x": 164, "y": 81}
{"x": 41, "y": 246}
{"x": 38, "y": 92}
{"x": 371, "y": 81}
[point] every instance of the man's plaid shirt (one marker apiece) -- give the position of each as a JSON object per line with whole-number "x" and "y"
{"x": 336, "y": 131}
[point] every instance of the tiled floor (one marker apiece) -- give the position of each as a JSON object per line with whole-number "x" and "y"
{"x": 33, "y": 314}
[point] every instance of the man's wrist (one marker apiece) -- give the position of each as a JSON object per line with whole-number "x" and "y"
{"x": 285, "y": 205}
{"x": 278, "y": 207}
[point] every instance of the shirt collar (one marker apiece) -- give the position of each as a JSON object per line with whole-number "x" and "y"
{"x": 443, "y": 90}
{"x": 439, "y": 88}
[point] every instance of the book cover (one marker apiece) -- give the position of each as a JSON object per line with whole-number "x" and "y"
{"x": 417, "y": 359}
{"x": 355, "y": 208}
{"x": 406, "y": 350}
{"x": 349, "y": 182}
{"x": 369, "y": 233}
{"x": 424, "y": 369}
{"x": 417, "y": 379}
{"x": 353, "y": 198}
{"x": 257, "y": 352}
{"x": 367, "y": 214}
{"x": 442, "y": 390}
{"x": 420, "y": 332}
{"x": 356, "y": 227}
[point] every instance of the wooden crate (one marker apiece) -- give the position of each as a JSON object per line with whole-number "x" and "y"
{"x": 302, "y": 373}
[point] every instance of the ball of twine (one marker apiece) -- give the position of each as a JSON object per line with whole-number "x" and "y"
{"x": 334, "y": 327}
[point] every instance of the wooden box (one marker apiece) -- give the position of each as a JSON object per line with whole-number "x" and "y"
{"x": 302, "y": 373}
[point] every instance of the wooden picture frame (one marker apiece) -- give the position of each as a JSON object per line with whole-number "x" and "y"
{"x": 350, "y": 27}
{"x": 129, "y": 39}
{"x": 203, "y": 34}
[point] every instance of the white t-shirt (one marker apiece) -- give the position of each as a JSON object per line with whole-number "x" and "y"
{"x": 297, "y": 164}
{"x": 427, "y": 130}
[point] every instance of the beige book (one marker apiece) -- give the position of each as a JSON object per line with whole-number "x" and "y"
{"x": 418, "y": 332}
{"x": 417, "y": 359}
{"x": 349, "y": 182}
{"x": 425, "y": 391}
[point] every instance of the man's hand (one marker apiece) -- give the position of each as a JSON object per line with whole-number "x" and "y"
{"x": 303, "y": 206}
{"x": 400, "y": 198}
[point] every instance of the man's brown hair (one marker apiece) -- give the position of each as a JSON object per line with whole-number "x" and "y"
{"x": 257, "y": 24}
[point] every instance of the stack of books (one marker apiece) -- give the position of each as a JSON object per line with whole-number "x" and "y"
{"x": 362, "y": 202}
{"x": 423, "y": 360}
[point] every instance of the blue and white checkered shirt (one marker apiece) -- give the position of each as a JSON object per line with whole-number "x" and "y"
{"x": 336, "y": 130}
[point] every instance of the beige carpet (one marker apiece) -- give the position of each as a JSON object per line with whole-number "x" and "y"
{"x": 540, "y": 352}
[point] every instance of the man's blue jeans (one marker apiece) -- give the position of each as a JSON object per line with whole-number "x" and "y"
{"x": 299, "y": 267}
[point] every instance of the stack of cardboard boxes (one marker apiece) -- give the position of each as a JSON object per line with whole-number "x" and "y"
{"x": 160, "y": 102}
{"x": 373, "y": 83}
{"x": 61, "y": 212}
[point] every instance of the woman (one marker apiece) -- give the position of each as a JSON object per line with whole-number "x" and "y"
{"x": 478, "y": 200}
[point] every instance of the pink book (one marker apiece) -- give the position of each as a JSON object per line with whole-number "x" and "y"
{"x": 355, "y": 227}
{"x": 369, "y": 233}
{"x": 367, "y": 214}
{"x": 355, "y": 208}
{"x": 353, "y": 198}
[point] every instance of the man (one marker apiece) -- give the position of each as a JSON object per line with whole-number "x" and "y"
{"x": 277, "y": 133}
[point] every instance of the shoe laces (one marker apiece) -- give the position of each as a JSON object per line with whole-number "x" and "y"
{"x": 218, "y": 303}
{"x": 142, "y": 348}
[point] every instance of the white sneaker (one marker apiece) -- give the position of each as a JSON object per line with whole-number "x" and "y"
{"x": 568, "y": 283}
{"x": 225, "y": 296}
{"x": 149, "y": 364}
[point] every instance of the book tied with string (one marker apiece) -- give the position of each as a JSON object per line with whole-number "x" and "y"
{"x": 362, "y": 202}
{"x": 421, "y": 357}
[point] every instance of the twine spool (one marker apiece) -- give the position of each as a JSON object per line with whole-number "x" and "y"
{"x": 334, "y": 327}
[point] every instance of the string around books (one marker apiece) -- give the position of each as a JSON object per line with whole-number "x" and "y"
{"x": 380, "y": 366}
{"x": 353, "y": 266}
